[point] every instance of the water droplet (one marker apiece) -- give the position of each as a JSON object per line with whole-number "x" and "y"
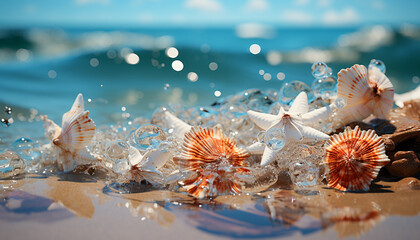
{"x": 321, "y": 70}
{"x": 255, "y": 49}
{"x": 132, "y": 58}
{"x": 290, "y": 90}
{"x": 261, "y": 136}
{"x": 274, "y": 138}
{"x": 29, "y": 152}
{"x": 8, "y": 110}
{"x": 340, "y": 103}
{"x": 374, "y": 63}
{"x": 267, "y": 76}
{"x": 164, "y": 146}
{"x": 177, "y": 65}
{"x": 94, "y": 62}
{"x": 117, "y": 150}
{"x": 146, "y": 137}
{"x": 171, "y": 52}
{"x": 192, "y": 76}
{"x": 324, "y": 87}
{"x": 166, "y": 87}
{"x": 213, "y": 66}
{"x": 303, "y": 173}
{"x": 281, "y": 76}
{"x": 11, "y": 164}
{"x": 217, "y": 93}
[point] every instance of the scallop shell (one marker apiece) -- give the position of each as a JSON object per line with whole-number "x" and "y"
{"x": 365, "y": 93}
{"x": 77, "y": 128}
{"x": 214, "y": 161}
{"x": 354, "y": 158}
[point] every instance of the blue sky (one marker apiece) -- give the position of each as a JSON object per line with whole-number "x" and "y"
{"x": 140, "y": 13}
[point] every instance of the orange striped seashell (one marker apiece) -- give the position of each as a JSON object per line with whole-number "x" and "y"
{"x": 354, "y": 158}
{"x": 212, "y": 163}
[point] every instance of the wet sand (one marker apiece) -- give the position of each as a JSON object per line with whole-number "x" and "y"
{"x": 72, "y": 206}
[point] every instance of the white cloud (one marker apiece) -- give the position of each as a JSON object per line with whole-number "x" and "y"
{"x": 256, "y": 5}
{"x": 296, "y": 16}
{"x": 347, "y": 16}
{"x": 84, "y": 2}
{"x": 204, "y": 5}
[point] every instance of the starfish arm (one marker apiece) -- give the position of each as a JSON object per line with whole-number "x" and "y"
{"x": 311, "y": 133}
{"x": 317, "y": 114}
{"x": 256, "y": 148}
{"x": 268, "y": 156}
{"x": 263, "y": 120}
{"x": 300, "y": 104}
{"x": 180, "y": 127}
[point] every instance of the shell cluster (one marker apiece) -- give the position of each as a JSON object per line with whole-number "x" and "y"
{"x": 204, "y": 162}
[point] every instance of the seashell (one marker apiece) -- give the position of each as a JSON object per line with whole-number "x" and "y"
{"x": 214, "y": 159}
{"x": 52, "y": 130}
{"x": 365, "y": 93}
{"x": 76, "y": 134}
{"x": 71, "y": 140}
{"x": 354, "y": 158}
{"x": 180, "y": 128}
{"x": 147, "y": 166}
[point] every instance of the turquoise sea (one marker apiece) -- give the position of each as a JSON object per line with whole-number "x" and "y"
{"x": 42, "y": 70}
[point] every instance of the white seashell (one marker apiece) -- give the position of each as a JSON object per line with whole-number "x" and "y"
{"x": 77, "y": 108}
{"x": 365, "y": 93}
{"x": 134, "y": 156}
{"x": 383, "y": 98}
{"x": 180, "y": 127}
{"x": 52, "y": 130}
{"x": 404, "y": 97}
{"x": 154, "y": 159}
{"x": 71, "y": 140}
{"x": 76, "y": 134}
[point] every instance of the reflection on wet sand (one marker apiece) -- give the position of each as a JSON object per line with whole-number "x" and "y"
{"x": 75, "y": 197}
{"x": 278, "y": 213}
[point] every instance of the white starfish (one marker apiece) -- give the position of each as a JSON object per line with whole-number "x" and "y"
{"x": 292, "y": 123}
{"x": 70, "y": 142}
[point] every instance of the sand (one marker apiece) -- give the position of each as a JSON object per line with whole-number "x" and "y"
{"x": 71, "y": 206}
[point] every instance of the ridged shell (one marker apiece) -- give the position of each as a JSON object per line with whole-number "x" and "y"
{"x": 365, "y": 92}
{"x": 215, "y": 160}
{"x": 354, "y": 158}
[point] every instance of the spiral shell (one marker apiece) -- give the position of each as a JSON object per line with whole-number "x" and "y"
{"x": 354, "y": 158}
{"x": 212, "y": 161}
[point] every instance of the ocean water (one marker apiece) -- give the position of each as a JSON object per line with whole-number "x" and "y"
{"x": 43, "y": 70}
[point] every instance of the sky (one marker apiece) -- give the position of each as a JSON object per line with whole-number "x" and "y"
{"x": 174, "y": 13}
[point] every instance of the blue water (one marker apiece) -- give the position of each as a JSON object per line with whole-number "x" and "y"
{"x": 66, "y": 54}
